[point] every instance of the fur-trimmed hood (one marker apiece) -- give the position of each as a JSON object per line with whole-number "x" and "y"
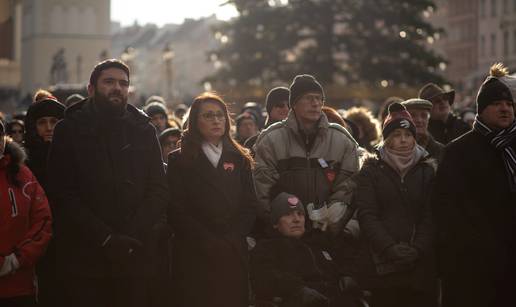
{"x": 16, "y": 152}
{"x": 372, "y": 159}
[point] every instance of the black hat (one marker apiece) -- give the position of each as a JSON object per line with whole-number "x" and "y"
{"x": 301, "y": 85}
{"x": 154, "y": 108}
{"x": 247, "y": 115}
{"x": 73, "y": 99}
{"x": 431, "y": 91}
{"x": 398, "y": 117}
{"x": 45, "y": 108}
{"x": 155, "y": 98}
{"x": 169, "y": 132}
{"x": 275, "y": 96}
{"x": 497, "y": 86}
{"x": 283, "y": 204}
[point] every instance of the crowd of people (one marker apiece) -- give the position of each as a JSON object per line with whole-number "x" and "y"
{"x": 292, "y": 203}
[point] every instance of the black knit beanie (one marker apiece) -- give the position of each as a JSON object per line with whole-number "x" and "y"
{"x": 283, "y": 204}
{"x": 492, "y": 90}
{"x": 45, "y": 108}
{"x": 301, "y": 85}
{"x": 275, "y": 96}
{"x": 155, "y": 108}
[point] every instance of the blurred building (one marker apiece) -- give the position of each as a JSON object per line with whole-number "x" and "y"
{"x": 171, "y": 60}
{"x": 10, "y": 48}
{"x": 478, "y": 34}
{"x": 61, "y": 40}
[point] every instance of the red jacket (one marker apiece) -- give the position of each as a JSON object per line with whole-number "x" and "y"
{"x": 25, "y": 223}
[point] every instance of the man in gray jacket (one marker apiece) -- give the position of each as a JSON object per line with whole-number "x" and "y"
{"x": 307, "y": 156}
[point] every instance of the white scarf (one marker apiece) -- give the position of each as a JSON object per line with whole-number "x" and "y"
{"x": 212, "y": 152}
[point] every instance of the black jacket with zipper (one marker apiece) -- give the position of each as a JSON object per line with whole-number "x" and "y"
{"x": 281, "y": 266}
{"x": 393, "y": 210}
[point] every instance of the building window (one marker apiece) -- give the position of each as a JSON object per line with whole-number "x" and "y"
{"x": 506, "y": 43}
{"x": 505, "y": 7}
{"x": 483, "y": 8}
{"x": 493, "y": 44}
{"x": 483, "y": 45}
{"x": 493, "y": 8}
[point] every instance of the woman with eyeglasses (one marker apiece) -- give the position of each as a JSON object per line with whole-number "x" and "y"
{"x": 15, "y": 129}
{"x": 212, "y": 209}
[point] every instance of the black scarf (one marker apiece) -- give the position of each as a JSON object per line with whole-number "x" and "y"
{"x": 502, "y": 140}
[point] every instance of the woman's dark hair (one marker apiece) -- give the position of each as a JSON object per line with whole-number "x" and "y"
{"x": 192, "y": 139}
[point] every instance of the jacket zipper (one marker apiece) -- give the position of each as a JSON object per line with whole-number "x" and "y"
{"x": 315, "y": 262}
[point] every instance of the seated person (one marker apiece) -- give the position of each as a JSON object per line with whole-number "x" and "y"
{"x": 290, "y": 268}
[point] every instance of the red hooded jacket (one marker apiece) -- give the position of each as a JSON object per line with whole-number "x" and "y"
{"x": 25, "y": 223}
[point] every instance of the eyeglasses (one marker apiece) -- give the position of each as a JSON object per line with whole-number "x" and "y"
{"x": 210, "y": 116}
{"x": 16, "y": 131}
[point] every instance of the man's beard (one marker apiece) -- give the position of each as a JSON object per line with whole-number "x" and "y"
{"x": 108, "y": 108}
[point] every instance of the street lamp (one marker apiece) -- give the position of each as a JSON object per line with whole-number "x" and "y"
{"x": 168, "y": 56}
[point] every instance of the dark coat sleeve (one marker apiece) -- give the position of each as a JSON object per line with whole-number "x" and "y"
{"x": 249, "y": 205}
{"x": 267, "y": 278}
{"x": 64, "y": 189}
{"x": 153, "y": 212}
{"x": 369, "y": 211}
{"x": 448, "y": 186}
{"x": 424, "y": 236}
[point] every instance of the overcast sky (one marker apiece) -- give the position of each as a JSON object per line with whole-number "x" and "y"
{"x": 161, "y": 12}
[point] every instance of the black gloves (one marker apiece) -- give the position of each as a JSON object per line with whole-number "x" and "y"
{"x": 402, "y": 253}
{"x": 312, "y": 298}
{"x": 120, "y": 247}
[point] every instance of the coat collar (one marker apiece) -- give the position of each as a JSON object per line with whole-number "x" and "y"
{"x": 86, "y": 115}
{"x": 292, "y": 124}
{"x": 229, "y": 161}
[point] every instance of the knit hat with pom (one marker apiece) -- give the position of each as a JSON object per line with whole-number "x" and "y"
{"x": 398, "y": 117}
{"x": 497, "y": 86}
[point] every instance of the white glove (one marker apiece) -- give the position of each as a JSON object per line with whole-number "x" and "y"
{"x": 10, "y": 265}
{"x": 319, "y": 217}
{"x": 336, "y": 211}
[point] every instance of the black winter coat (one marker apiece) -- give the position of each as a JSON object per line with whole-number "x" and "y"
{"x": 391, "y": 211}
{"x": 445, "y": 132}
{"x": 282, "y": 266}
{"x": 476, "y": 217}
{"x": 211, "y": 210}
{"x": 105, "y": 177}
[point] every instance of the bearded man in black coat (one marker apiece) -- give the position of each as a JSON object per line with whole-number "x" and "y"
{"x": 108, "y": 189}
{"x": 474, "y": 202}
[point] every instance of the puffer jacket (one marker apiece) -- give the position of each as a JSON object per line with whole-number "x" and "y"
{"x": 25, "y": 223}
{"x": 316, "y": 174}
